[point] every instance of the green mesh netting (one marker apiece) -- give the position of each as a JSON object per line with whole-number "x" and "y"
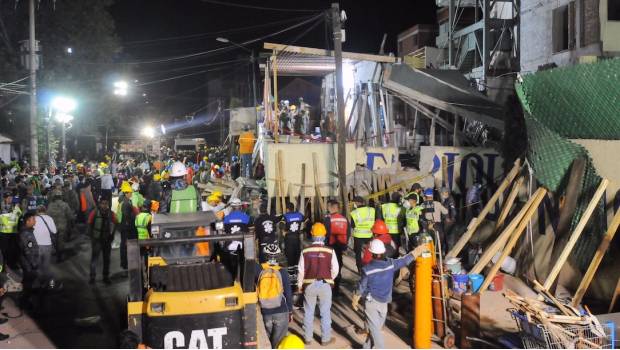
{"x": 576, "y": 102}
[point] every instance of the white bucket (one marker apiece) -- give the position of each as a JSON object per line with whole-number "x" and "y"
{"x": 509, "y": 265}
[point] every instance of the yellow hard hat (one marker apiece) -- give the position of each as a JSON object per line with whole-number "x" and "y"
{"x": 103, "y": 165}
{"x": 205, "y": 158}
{"x": 218, "y": 194}
{"x": 156, "y": 177}
{"x": 213, "y": 198}
{"x": 291, "y": 341}
{"x": 318, "y": 230}
{"x": 126, "y": 187}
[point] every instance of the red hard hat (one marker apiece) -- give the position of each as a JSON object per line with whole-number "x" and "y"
{"x": 380, "y": 228}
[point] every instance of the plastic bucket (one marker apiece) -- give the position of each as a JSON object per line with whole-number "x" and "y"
{"x": 454, "y": 266}
{"x": 497, "y": 284}
{"x": 459, "y": 283}
{"x": 476, "y": 281}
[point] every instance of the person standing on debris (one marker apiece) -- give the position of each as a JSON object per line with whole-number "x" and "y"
{"x": 362, "y": 220}
{"x": 338, "y": 232}
{"x": 393, "y": 215}
{"x": 62, "y": 216}
{"x": 432, "y": 211}
{"x": 126, "y": 215}
{"x": 448, "y": 220}
{"x": 375, "y": 289}
{"x": 246, "y": 148}
{"x": 275, "y": 296}
{"x": 266, "y": 233}
{"x": 412, "y": 219}
{"x": 318, "y": 266}
{"x": 29, "y": 258}
{"x": 100, "y": 225}
{"x": 45, "y": 233}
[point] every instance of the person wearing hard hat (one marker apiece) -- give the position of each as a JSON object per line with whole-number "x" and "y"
{"x": 432, "y": 212}
{"x": 275, "y": 297}
{"x": 246, "y": 148}
{"x": 181, "y": 197}
{"x": 107, "y": 182}
{"x": 154, "y": 188}
{"x": 318, "y": 267}
{"x": 137, "y": 199}
{"x": 375, "y": 289}
{"x": 126, "y": 216}
{"x": 393, "y": 214}
{"x": 291, "y": 341}
{"x": 214, "y": 204}
{"x": 362, "y": 219}
{"x": 380, "y": 231}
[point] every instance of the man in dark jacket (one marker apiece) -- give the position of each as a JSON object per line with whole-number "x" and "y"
{"x": 266, "y": 231}
{"x": 29, "y": 257}
{"x": 101, "y": 223}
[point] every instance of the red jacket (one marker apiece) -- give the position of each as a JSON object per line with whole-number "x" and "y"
{"x": 386, "y": 239}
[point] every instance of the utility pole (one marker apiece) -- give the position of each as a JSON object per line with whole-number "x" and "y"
{"x": 253, "y": 64}
{"x": 341, "y": 134}
{"x": 34, "y": 144}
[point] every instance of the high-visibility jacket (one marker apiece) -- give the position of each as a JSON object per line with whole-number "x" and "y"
{"x": 142, "y": 225}
{"x": 413, "y": 217}
{"x": 184, "y": 201}
{"x": 137, "y": 200}
{"x": 317, "y": 264}
{"x": 338, "y": 229}
{"x": 8, "y": 221}
{"x": 391, "y": 213}
{"x": 363, "y": 218}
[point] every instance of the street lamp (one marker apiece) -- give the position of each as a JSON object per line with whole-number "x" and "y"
{"x": 62, "y": 108}
{"x": 121, "y": 88}
{"x": 148, "y": 132}
{"x": 252, "y": 59}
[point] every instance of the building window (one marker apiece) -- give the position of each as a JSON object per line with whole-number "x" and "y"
{"x": 564, "y": 28}
{"x": 613, "y": 10}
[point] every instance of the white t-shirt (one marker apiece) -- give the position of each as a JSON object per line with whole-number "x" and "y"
{"x": 42, "y": 234}
{"x": 107, "y": 183}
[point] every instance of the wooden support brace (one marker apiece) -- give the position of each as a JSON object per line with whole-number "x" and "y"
{"x": 555, "y": 271}
{"x": 473, "y": 226}
{"x": 317, "y": 188}
{"x": 509, "y": 202}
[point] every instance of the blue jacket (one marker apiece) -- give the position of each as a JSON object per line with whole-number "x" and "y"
{"x": 378, "y": 277}
{"x": 287, "y": 302}
{"x": 236, "y": 222}
{"x": 293, "y": 221}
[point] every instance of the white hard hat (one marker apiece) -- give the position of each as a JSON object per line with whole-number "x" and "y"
{"x": 377, "y": 247}
{"x": 178, "y": 169}
{"x": 235, "y": 202}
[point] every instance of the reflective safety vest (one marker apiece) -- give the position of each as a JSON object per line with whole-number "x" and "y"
{"x": 137, "y": 200}
{"x": 184, "y": 201}
{"x": 413, "y": 217}
{"x": 363, "y": 218}
{"x": 142, "y": 224}
{"x": 391, "y": 212}
{"x": 317, "y": 264}
{"x": 8, "y": 221}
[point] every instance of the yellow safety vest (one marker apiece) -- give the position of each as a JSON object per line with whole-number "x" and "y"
{"x": 8, "y": 221}
{"x": 142, "y": 223}
{"x": 391, "y": 212}
{"x": 413, "y": 216}
{"x": 363, "y": 218}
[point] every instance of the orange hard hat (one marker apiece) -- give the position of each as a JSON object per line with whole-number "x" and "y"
{"x": 380, "y": 228}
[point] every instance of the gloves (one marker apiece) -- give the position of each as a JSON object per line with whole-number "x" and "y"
{"x": 419, "y": 250}
{"x": 355, "y": 301}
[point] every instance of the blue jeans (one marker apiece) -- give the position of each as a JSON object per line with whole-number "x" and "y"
{"x": 276, "y": 326}
{"x": 376, "y": 313}
{"x": 323, "y": 292}
{"x": 246, "y": 165}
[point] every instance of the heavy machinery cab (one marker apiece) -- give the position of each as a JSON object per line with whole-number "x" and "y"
{"x": 182, "y": 295}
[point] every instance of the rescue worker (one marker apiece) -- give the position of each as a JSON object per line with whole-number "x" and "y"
{"x": 100, "y": 225}
{"x": 8, "y": 230}
{"x": 107, "y": 182}
{"x": 291, "y": 341}
{"x": 380, "y": 232}
{"x": 318, "y": 266}
{"x": 137, "y": 199}
{"x": 246, "y": 148}
{"x": 126, "y": 215}
{"x": 416, "y": 189}
{"x": 338, "y": 232}
{"x": 448, "y": 220}
{"x": 293, "y": 221}
{"x": 276, "y": 319}
{"x": 181, "y": 197}
{"x": 154, "y": 188}
{"x": 28, "y": 258}
{"x": 433, "y": 211}
{"x": 214, "y": 204}
{"x": 412, "y": 218}
{"x": 362, "y": 220}
{"x": 143, "y": 221}
{"x": 265, "y": 229}
{"x": 375, "y": 289}
{"x": 393, "y": 215}
{"x": 63, "y": 216}
{"x": 235, "y": 222}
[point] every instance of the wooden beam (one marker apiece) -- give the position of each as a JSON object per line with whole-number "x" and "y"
{"x": 321, "y": 52}
{"x": 509, "y": 202}
{"x": 573, "y": 190}
{"x": 302, "y": 191}
{"x": 596, "y": 260}
{"x": 317, "y": 189}
{"x": 555, "y": 271}
{"x": 473, "y": 226}
{"x": 498, "y": 244}
{"x": 614, "y": 297}
{"x": 281, "y": 176}
{"x": 513, "y": 240}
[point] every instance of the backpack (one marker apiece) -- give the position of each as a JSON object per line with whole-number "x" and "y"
{"x": 269, "y": 289}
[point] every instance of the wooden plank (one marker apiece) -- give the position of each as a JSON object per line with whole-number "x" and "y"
{"x": 614, "y": 297}
{"x": 513, "y": 239}
{"x": 444, "y": 171}
{"x": 573, "y": 189}
{"x": 555, "y": 271}
{"x": 302, "y": 190}
{"x": 281, "y": 176}
{"x": 505, "y": 235}
{"x": 509, "y": 202}
{"x": 473, "y": 226}
{"x": 560, "y": 306}
{"x": 321, "y": 52}
{"x": 317, "y": 188}
{"x": 596, "y": 260}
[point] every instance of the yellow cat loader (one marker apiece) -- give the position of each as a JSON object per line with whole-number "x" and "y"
{"x": 181, "y": 295}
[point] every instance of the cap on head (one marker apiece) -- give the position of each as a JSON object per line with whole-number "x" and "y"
{"x": 428, "y": 192}
{"x": 359, "y": 200}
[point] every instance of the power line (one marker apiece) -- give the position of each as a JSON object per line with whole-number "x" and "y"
{"x": 185, "y": 75}
{"x": 254, "y": 7}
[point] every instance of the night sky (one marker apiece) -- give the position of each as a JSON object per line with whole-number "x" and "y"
{"x": 150, "y": 30}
